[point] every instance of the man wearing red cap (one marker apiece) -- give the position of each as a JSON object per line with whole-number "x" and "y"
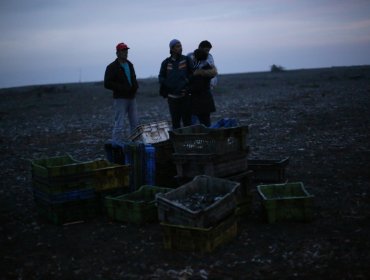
{"x": 120, "y": 78}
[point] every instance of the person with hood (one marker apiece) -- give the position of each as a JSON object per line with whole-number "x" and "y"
{"x": 120, "y": 78}
{"x": 174, "y": 76}
{"x": 205, "y": 46}
{"x": 202, "y": 103}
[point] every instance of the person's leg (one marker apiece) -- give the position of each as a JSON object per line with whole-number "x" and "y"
{"x": 205, "y": 119}
{"x": 132, "y": 114}
{"x": 186, "y": 111}
{"x": 119, "y": 113}
{"x": 175, "y": 112}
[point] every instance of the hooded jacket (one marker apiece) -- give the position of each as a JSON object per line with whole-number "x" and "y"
{"x": 116, "y": 80}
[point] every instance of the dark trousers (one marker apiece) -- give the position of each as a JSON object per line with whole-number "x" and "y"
{"x": 180, "y": 111}
{"x": 205, "y": 119}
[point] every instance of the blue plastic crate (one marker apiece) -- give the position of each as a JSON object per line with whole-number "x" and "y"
{"x": 63, "y": 197}
{"x": 149, "y": 165}
{"x": 143, "y": 158}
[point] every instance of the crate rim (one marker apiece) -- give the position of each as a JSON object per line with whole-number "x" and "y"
{"x": 159, "y": 196}
{"x": 260, "y": 187}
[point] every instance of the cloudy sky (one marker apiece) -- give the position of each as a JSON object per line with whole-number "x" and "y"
{"x": 62, "y": 41}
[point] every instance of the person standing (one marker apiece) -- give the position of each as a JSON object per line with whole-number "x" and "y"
{"x": 208, "y": 61}
{"x": 173, "y": 77}
{"x": 120, "y": 78}
{"x": 207, "y": 46}
{"x": 202, "y": 103}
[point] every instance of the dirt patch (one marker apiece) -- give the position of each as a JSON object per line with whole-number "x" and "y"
{"x": 319, "y": 118}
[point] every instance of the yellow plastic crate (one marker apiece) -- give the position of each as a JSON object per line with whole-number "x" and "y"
{"x": 185, "y": 238}
{"x": 59, "y": 174}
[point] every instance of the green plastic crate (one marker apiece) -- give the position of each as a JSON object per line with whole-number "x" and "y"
{"x": 59, "y": 174}
{"x": 185, "y": 238}
{"x": 137, "y": 207}
{"x": 60, "y": 166}
{"x": 286, "y": 202}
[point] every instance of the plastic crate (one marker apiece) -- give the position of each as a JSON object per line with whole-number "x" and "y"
{"x": 62, "y": 184}
{"x": 164, "y": 167}
{"x": 215, "y": 165}
{"x": 163, "y": 151}
{"x": 245, "y": 180}
{"x": 110, "y": 176}
{"x": 185, "y": 238}
{"x": 150, "y": 165}
{"x": 101, "y": 195}
{"x": 136, "y": 207}
{"x": 198, "y": 139}
{"x": 151, "y": 133}
{"x": 269, "y": 170}
{"x": 165, "y": 175}
{"x": 286, "y": 202}
{"x": 67, "y": 212}
{"x": 64, "y": 196}
{"x": 141, "y": 157}
{"x": 114, "y": 153}
{"x": 60, "y": 166}
{"x": 214, "y": 199}
{"x": 60, "y": 174}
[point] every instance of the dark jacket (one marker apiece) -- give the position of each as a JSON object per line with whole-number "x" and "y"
{"x": 201, "y": 97}
{"x": 174, "y": 76}
{"x": 116, "y": 80}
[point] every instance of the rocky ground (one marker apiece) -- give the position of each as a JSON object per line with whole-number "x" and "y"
{"x": 319, "y": 118}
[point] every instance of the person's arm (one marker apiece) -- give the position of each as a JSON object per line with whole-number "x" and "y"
{"x": 163, "y": 91}
{"x": 209, "y": 72}
{"x": 210, "y": 60}
{"x": 163, "y": 72}
{"x": 135, "y": 84}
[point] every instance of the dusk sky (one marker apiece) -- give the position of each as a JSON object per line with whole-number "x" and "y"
{"x": 67, "y": 41}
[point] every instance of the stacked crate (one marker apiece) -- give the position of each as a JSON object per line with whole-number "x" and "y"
{"x": 211, "y": 151}
{"x": 218, "y": 152}
{"x": 199, "y": 215}
{"x": 67, "y": 190}
{"x": 156, "y": 135}
{"x": 135, "y": 154}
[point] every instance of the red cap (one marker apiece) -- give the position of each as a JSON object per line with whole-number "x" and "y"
{"x": 122, "y": 46}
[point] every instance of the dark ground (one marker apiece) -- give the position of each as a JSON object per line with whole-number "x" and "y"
{"x": 319, "y": 118}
